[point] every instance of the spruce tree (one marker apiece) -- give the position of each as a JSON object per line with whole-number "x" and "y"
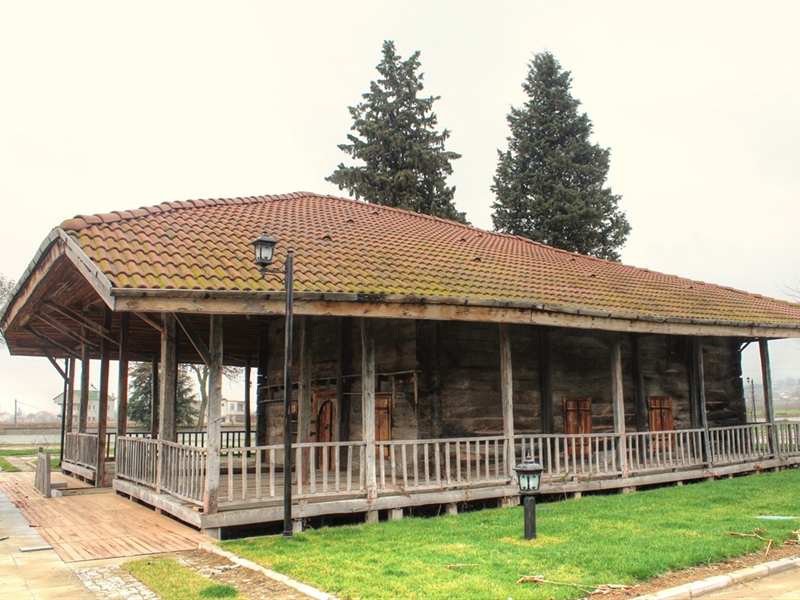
{"x": 140, "y": 400}
{"x": 405, "y": 162}
{"x": 549, "y": 184}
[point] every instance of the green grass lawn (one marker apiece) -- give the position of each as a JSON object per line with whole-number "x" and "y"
{"x": 614, "y": 539}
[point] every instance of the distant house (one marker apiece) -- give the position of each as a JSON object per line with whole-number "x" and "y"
{"x": 91, "y": 414}
{"x": 232, "y": 412}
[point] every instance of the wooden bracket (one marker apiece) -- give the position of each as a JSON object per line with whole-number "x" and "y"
{"x": 150, "y": 321}
{"x": 196, "y": 340}
{"x": 59, "y": 369}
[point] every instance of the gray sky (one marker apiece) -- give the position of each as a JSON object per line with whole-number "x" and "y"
{"x": 111, "y": 106}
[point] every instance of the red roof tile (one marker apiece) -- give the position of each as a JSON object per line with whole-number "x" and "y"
{"x": 349, "y": 246}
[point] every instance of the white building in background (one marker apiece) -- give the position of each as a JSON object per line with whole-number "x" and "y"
{"x": 94, "y": 397}
{"x": 232, "y": 411}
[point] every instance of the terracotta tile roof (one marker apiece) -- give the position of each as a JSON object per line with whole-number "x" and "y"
{"x": 349, "y": 246}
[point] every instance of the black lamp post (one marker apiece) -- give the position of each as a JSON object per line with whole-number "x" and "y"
{"x": 264, "y": 246}
{"x": 529, "y": 475}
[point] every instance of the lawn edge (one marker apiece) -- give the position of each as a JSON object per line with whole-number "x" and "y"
{"x": 719, "y": 582}
{"x": 300, "y": 587}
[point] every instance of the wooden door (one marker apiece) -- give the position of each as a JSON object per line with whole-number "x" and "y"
{"x": 661, "y": 415}
{"x": 578, "y": 420}
{"x": 383, "y": 420}
{"x": 662, "y": 419}
{"x": 323, "y": 425}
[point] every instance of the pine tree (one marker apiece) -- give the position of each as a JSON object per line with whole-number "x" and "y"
{"x": 140, "y": 400}
{"x": 405, "y": 163}
{"x": 549, "y": 183}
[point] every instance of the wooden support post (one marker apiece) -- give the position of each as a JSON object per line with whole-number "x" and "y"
{"x": 122, "y": 381}
{"x": 211, "y": 493}
{"x": 451, "y": 508}
{"x": 247, "y": 424}
{"x": 102, "y": 402}
{"x": 546, "y": 379}
{"x": 769, "y": 406}
{"x": 155, "y": 397}
{"x": 304, "y": 385}
{"x": 700, "y": 394}
{"x": 396, "y": 514}
{"x": 297, "y": 526}
{"x": 507, "y": 395}
{"x": 345, "y": 325}
{"x": 642, "y": 412}
{"x": 371, "y": 517}
{"x": 618, "y": 403}
{"x": 69, "y": 400}
{"x": 169, "y": 380}
{"x": 368, "y": 408}
{"x": 83, "y": 411}
{"x": 261, "y": 385}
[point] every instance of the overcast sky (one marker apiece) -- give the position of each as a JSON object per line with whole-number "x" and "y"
{"x": 112, "y": 106}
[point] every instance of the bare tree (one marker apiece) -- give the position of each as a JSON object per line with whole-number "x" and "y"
{"x": 233, "y": 374}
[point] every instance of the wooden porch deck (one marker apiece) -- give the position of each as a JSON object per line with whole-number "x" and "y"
{"x": 98, "y": 524}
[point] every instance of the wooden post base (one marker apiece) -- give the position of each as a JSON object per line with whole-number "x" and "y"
{"x": 297, "y": 526}
{"x": 451, "y": 508}
{"x": 372, "y": 517}
{"x": 396, "y": 514}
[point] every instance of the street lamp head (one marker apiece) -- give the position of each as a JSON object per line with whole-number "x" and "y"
{"x": 264, "y": 247}
{"x": 529, "y": 475}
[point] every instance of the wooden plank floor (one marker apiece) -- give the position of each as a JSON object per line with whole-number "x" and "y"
{"x": 96, "y": 526}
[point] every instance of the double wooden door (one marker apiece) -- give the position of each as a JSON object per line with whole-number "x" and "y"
{"x": 578, "y": 420}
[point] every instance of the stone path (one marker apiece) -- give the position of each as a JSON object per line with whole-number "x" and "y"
{"x": 112, "y": 582}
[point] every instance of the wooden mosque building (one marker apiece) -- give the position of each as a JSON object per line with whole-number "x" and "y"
{"x": 430, "y": 357}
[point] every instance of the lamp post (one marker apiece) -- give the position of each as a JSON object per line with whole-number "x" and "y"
{"x": 529, "y": 475}
{"x": 264, "y": 247}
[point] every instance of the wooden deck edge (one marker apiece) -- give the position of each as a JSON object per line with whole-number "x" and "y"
{"x": 306, "y": 509}
{"x": 163, "y": 502}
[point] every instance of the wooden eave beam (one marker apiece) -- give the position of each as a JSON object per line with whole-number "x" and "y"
{"x": 80, "y": 320}
{"x": 438, "y": 308}
{"x": 76, "y": 337}
{"x": 47, "y": 340}
{"x": 196, "y": 340}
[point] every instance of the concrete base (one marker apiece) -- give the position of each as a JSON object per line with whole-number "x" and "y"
{"x": 577, "y": 495}
{"x": 372, "y": 517}
{"x": 396, "y": 514}
{"x": 297, "y": 526}
{"x": 451, "y": 508}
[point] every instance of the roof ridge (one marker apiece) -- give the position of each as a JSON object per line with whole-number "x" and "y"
{"x": 81, "y": 221}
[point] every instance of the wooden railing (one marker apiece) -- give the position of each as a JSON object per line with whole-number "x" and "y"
{"x": 255, "y": 474}
{"x": 788, "y": 436}
{"x": 661, "y": 450}
{"x": 440, "y": 464}
{"x": 741, "y": 443}
{"x": 326, "y": 469}
{"x": 137, "y": 460}
{"x": 183, "y": 471}
{"x": 228, "y": 439}
{"x": 81, "y": 449}
{"x": 564, "y": 456}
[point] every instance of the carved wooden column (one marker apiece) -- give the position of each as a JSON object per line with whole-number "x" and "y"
{"x": 368, "y": 406}
{"x": 122, "y": 383}
{"x": 211, "y": 493}
{"x": 507, "y": 396}
{"x": 167, "y": 427}
{"x": 618, "y": 403}
{"x": 102, "y": 401}
{"x": 769, "y": 406}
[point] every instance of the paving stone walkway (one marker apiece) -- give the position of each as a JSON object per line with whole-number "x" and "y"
{"x": 112, "y": 582}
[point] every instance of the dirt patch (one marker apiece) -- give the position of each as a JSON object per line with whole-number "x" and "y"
{"x": 251, "y": 584}
{"x": 676, "y": 578}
